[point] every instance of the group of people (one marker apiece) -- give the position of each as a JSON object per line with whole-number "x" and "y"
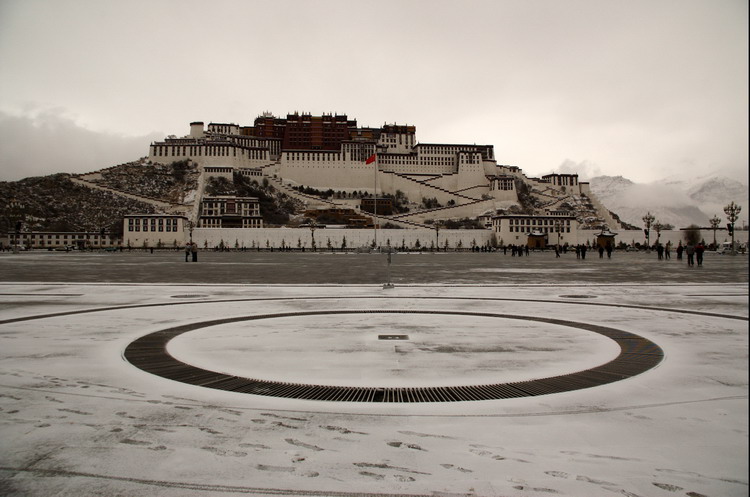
{"x": 519, "y": 250}
{"x": 607, "y": 248}
{"x": 191, "y": 251}
{"x": 665, "y": 251}
{"x": 693, "y": 252}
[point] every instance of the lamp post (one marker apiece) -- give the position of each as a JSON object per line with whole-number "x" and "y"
{"x": 557, "y": 230}
{"x": 15, "y": 209}
{"x": 388, "y": 284}
{"x": 648, "y": 220}
{"x": 312, "y": 234}
{"x": 733, "y": 212}
{"x": 437, "y": 237}
{"x": 715, "y": 222}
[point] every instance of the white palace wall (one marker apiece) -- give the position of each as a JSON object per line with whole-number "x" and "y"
{"x": 355, "y": 175}
{"x": 220, "y": 155}
{"x": 328, "y": 172}
{"x": 414, "y": 191}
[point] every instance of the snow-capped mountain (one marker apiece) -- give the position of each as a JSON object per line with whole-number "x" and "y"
{"x": 677, "y": 201}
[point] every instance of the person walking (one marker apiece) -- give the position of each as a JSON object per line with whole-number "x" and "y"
{"x": 583, "y": 251}
{"x": 601, "y": 252}
{"x": 557, "y": 251}
{"x": 194, "y": 251}
{"x": 699, "y": 249}
{"x": 188, "y": 247}
{"x": 667, "y": 250}
{"x": 690, "y": 251}
{"x": 608, "y": 248}
{"x": 660, "y": 251}
{"x": 679, "y": 250}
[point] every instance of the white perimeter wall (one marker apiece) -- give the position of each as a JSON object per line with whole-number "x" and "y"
{"x": 258, "y": 237}
{"x": 273, "y": 237}
{"x": 675, "y": 236}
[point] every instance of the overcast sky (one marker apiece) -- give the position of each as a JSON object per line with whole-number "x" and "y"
{"x": 644, "y": 89}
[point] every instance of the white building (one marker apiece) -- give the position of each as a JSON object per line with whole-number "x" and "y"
{"x": 63, "y": 239}
{"x": 514, "y": 229}
{"x": 154, "y": 230}
{"x": 225, "y": 211}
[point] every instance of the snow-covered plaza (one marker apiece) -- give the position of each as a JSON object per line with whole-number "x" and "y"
{"x": 79, "y": 419}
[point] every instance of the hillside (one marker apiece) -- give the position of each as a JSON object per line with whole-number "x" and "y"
{"x": 537, "y": 199}
{"x": 174, "y": 183}
{"x": 55, "y": 203}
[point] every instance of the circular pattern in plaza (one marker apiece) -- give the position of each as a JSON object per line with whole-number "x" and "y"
{"x": 158, "y": 353}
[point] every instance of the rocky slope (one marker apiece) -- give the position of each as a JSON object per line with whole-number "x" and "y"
{"x": 55, "y": 203}
{"x": 175, "y": 182}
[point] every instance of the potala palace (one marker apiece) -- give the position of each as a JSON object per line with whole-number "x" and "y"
{"x": 331, "y": 152}
{"x": 303, "y": 155}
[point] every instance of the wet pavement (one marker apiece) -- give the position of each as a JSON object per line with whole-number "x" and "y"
{"x": 325, "y": 268}
{"x": 79, "y": 419}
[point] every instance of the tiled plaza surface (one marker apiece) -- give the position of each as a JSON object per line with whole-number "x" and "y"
{"x": 79, "y": 419}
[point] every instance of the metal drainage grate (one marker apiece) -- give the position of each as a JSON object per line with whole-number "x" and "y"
{"x": 637, "y": 355}
{"x": 393, "y": 337}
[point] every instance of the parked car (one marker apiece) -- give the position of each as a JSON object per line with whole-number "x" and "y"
{"x": 724, "y": 248}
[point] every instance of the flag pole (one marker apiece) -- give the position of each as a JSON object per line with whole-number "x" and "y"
{"x": 370, "y": 160}
{"x": 375, "y": 203}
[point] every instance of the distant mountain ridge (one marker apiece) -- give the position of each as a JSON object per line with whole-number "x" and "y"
{"x": 677, "y": 201}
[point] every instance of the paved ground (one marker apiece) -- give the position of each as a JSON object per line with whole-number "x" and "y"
{"x": 78, "y": 419}
{"x": 325, "y": 268}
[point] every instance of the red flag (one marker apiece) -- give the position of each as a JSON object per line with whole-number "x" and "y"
{"x": 371, "y": 159}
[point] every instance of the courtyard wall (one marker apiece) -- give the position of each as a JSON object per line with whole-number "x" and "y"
{"x": 355, "y": 238}
{"x": 427, "y": 238}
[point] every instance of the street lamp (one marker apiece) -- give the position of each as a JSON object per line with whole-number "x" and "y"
{"x": 16, "y": 216}
{"x": 648, "y": 220}
{"x": 557, "y": 230}
{"x": 312, "y": 234}
{"x": 388, "y": 284}
{"x": 715, "y": 222}
{"x": 733, "y": 212}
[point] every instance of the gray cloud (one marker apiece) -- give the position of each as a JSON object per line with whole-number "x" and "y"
{"x": 49, "y": 142}
{"x": 643, "y": 89}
